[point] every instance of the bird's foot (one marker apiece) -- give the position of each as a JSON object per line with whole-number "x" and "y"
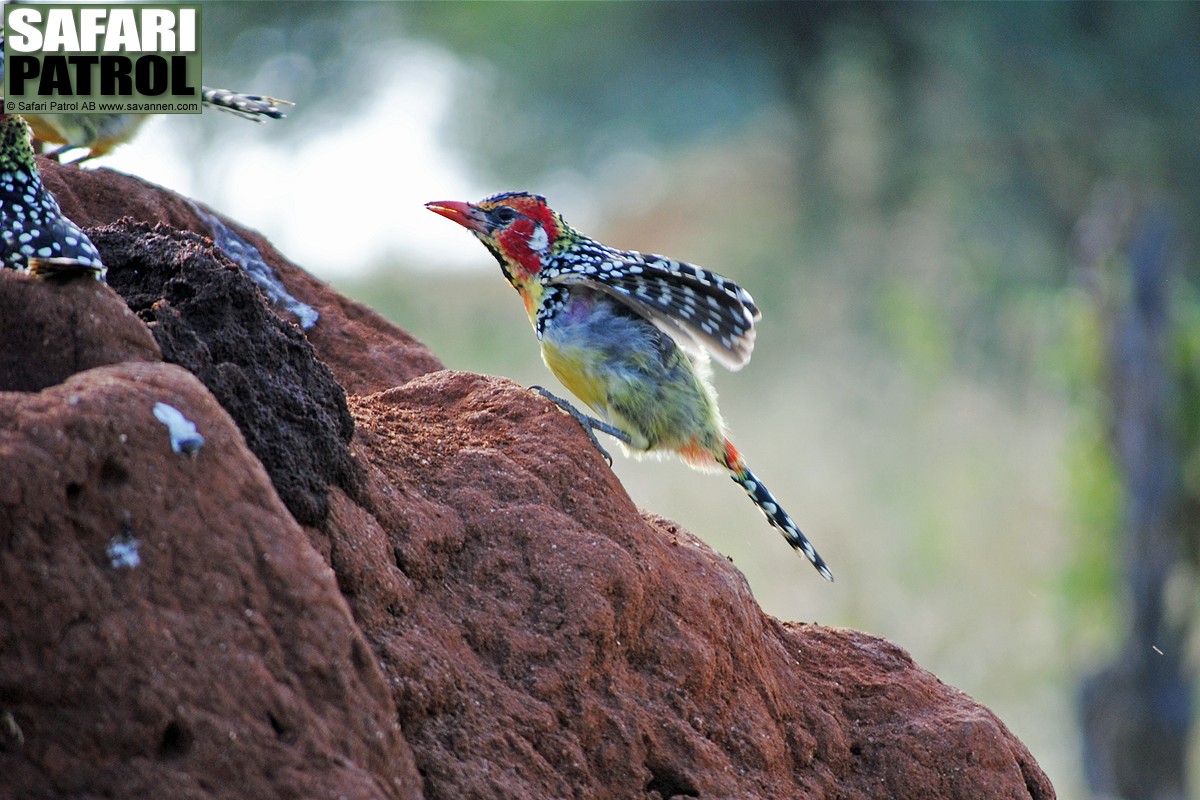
{"x": 589, "y": 424}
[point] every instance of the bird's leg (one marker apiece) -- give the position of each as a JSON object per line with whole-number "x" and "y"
{"x": 588, "y": 423}
{"x": 60, "y": 153}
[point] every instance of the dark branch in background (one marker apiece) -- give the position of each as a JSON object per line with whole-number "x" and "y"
{"x": 1136, "y": 711}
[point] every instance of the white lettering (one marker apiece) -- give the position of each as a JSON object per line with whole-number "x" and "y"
{"x": 122, "y": 33}
{"x": 22, "y": 36}
{"x": 187, "y": 30}
{"x": 91, "y": 25}
{"x": 60, "y": 32}
{"x": 157, "y": 30}
{"x": 120, "y": 29}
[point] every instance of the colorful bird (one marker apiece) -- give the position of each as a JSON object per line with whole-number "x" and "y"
{"x": 630, "y": 334}
{"x": 100, "y": 133}
{"x": 34, "y": 235}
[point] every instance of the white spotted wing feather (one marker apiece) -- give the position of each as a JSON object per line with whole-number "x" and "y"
{"x": 700, "y": 310}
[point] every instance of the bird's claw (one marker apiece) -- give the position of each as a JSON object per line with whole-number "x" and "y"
{"x": 589, "y": 424}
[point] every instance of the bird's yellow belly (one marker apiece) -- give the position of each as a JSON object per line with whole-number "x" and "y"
{"x": 571, "y": 366}
{"x": 632, "y": 376}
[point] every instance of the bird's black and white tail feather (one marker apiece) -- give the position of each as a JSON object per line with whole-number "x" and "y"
{"x": 247, "y": 106}
{"x": 779, "y": 518}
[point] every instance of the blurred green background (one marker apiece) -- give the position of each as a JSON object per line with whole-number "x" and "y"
{"x": 934, "y": 205}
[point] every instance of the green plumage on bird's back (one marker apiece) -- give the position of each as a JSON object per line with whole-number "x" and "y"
{"x": 16, "y": 150}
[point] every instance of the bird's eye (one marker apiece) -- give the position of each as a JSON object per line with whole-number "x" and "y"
{"x": 504, "y": 214}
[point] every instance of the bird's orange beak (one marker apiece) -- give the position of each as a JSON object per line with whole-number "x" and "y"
{"x": 465, "y": 214}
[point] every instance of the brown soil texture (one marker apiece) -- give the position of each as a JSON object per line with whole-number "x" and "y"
{"x": 223, "y": 663}
{"x": 211, "y": 319}
{"x": 479, "y": 610}
{"x": 80, "y": 325}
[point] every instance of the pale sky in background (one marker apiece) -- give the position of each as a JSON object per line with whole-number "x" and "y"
{"x": 338, "y": 199}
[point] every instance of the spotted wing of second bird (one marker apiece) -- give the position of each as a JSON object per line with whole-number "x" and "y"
{"x": 34, "y": 234}
{"x": 699, "y": 309}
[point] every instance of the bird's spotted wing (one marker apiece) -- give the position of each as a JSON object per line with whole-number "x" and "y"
{"x": 34, "y": 234}
{"x": 699, "y": 309}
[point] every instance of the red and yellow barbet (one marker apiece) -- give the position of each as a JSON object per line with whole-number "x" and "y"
{"x": 630, "y": 334}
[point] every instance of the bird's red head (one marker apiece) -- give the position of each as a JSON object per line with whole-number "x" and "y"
{"x": 518, "y": 227}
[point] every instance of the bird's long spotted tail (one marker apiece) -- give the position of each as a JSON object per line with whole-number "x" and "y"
{"x": 775, "y": 514}
{"x": 247, "y": 106}
{"x": 766, "y": 502}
